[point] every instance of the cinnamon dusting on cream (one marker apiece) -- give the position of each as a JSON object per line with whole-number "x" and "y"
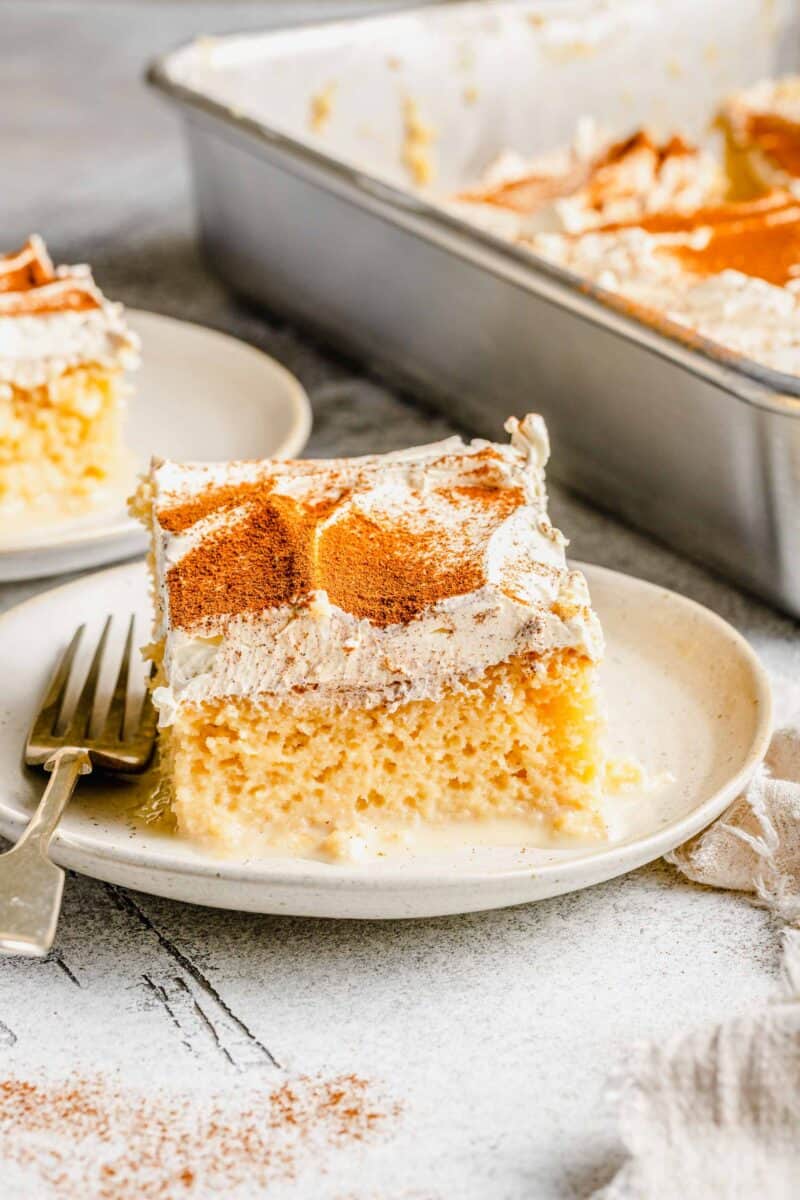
{"x": 767, "y": 248}
{"x": 271, "y": 549}
{"x": 63, "y": 295}
{"x": 766, "y": 207}
{"x": 759, "y": 237}
{"x": 687, "y": 240}
{"x": 29, "y": 283}
{"x": 605, "y": 181}
{"x": 527, "y": 193}
{"x": 55, "y": 319}
{"x": 362, "y": 582}
{"x": 613, "y": 174}
{"x": 262, "y": 558}
{"x": 26, "y": 268}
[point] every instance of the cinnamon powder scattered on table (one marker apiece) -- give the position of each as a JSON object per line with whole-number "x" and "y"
{"x": 92, "y": 1137}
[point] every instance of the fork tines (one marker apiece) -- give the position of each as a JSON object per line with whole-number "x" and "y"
{"x": 55, "y": 728}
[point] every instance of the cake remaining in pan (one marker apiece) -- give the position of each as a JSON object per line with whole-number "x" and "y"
{"x": 63, "y": 351}
{"x": 618, "y": 389}
{"x": 726, "y": 272}
{"x": 713, "y": 248}
{"x": 357, "y": 649}
{"x": 592, "y": 182}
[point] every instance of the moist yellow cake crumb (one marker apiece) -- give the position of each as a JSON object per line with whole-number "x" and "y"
{"x": 60, "y": 442}
{"x": 63, "y": 351}
{"x": 523, "y": 741}
{"x": 418, "y": 140}
{"x": 321, "y": 107}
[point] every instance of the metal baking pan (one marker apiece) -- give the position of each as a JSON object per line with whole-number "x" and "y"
{"x": 680, "y": 438}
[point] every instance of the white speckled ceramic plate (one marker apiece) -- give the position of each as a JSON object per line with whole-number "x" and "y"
{"x": 199, "y": 394}
{"x": 685, "y": 695}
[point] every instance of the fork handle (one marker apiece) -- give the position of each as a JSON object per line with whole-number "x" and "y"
{"x": 65, "y": 767}
{"x": 31, "y": 885}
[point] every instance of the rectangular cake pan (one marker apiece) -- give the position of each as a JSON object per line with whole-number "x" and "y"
{"x": 680, "y": 438}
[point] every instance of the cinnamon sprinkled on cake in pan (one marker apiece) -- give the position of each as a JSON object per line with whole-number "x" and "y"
{"x": 758, "y": 237}
{"x": 769, "y": 207}
{"x": 766, "y": 247}
{"x": 600, "y": 176}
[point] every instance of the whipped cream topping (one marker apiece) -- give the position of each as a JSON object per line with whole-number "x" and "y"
{"x": 53, "y": 319}
{"x": 409, "y": 574}
{"x": 651, "y": 222}
{"x": 742, "y": 312}
{"x": 594, "y": 181}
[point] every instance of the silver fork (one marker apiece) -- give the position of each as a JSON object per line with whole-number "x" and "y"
{"x": 67, "y": 745}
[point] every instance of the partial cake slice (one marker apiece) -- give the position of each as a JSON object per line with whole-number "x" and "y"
{"x": 63, "y": 351}
{"x": 357, "y": 650}
{"x": 762, "y": 134}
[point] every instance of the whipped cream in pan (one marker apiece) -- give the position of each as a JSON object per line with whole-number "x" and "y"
{"x": 594, "y": 181}
{"x": 414, "y": 571}
{"x": 742, "y": 312}
{"x": 55, "y": 318}
{"x": 649, "y": 221}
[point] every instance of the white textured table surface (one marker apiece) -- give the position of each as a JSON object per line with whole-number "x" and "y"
{"x": 484, "y": 1042}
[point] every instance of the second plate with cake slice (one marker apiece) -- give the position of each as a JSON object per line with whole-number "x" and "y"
{"x": 69, "y": 453}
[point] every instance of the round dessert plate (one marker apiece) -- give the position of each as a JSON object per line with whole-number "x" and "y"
{"x": 685, "y": 696}
{"x": 198, "y": 394}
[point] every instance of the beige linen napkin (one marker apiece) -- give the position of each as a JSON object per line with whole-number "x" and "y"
{"x": 755, "y": 845}
{"x": 715, "y": 1114}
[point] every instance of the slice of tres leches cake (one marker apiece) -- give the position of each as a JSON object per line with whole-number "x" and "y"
{"x": 63, "y": 351}
{"x": 357, "y": 651}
